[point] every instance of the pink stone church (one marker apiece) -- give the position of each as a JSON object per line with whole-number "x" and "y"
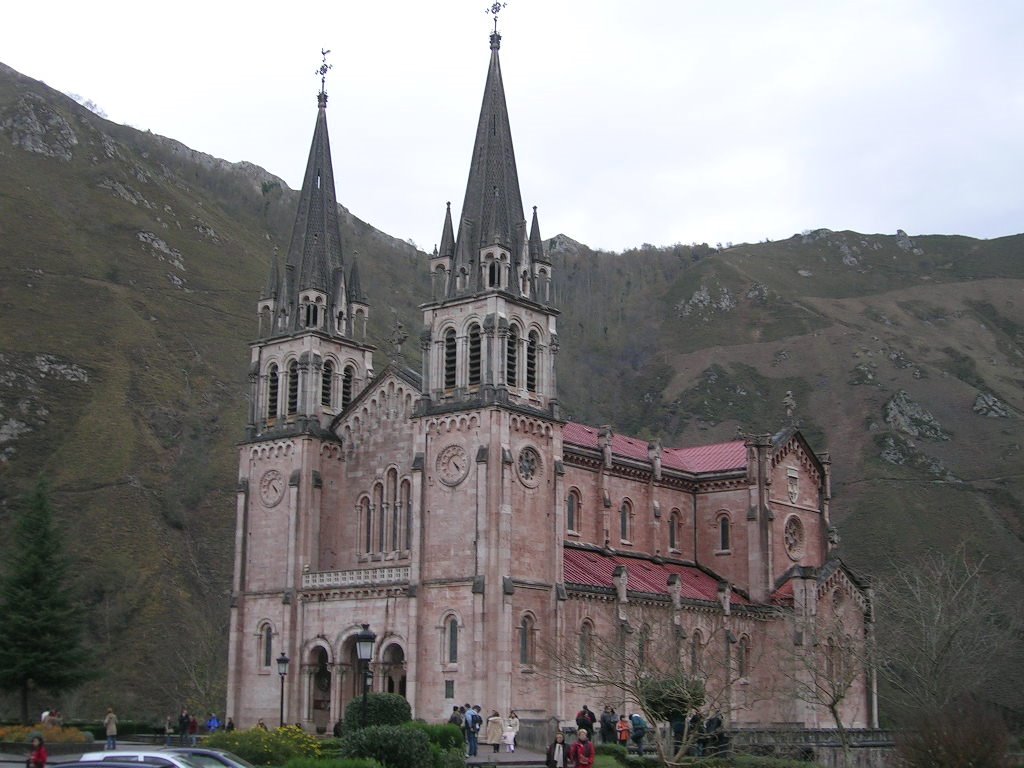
{"x": 481, "y": 536}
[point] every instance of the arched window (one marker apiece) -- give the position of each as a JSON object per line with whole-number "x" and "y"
{"x": 293, "y": 387}
{"x": 696, "y": 652}
{"x": 526, "y": 631}
{"x": 512, "y": 357}
{"x": 643, "y": 643}
{"x": 450, "y": 352}
{"x": 327, "y": 384}
{"x": 531, "y": 361}
{"x": 492, "y": 273}
{"x": 272, "y": 389}
{"x": 625, "y": 519}
{"x": 723, "y": 533}
{"x": 586, "y": 643}
{"x": 346, "y": 385}
{"x": 378, "y": 504}
{"x": 367, "y": 516}
{"x": 743, "y": 656}
{"x": 451, "y": 639}
{"x": 396, "y": 512}
{"x": 406, "y": 500}
{"x": 673, "y": 530}
{"x": 572, "y": 511}
{"x": 474, "y": 355}
{"x": 312, "y": 316}
{"x": 266, "y": 645}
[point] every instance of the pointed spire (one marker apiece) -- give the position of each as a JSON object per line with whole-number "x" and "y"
{"x": 447, "y": 249}
{"x": 492, "y": 211}
{"x": 355, "y": 289}
{"x": 273, "y": 289}
{"x": 315, "y": 249}
{"x": 536, "y": 243}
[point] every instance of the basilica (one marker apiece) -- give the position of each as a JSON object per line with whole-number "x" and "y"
{"x": 492, "y": 547}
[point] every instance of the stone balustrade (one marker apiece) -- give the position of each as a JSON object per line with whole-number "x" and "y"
{"x": 357, "y": 577}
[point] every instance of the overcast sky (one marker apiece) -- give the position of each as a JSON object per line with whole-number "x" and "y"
{"x": 633, "y": 122}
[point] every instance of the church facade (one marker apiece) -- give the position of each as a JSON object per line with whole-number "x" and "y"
{"x": 493, "y": 547}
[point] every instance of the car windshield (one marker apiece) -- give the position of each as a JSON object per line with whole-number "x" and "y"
{"x": 214, "y": 758}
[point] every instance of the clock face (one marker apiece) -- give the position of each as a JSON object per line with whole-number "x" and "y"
{"x": 529, "y": 466}
{"x": 452, "y": 464}
{"x": 271, "y": 487}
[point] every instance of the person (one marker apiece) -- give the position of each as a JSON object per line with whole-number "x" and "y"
{"x": 336, "y": 730}
{"x": 212, "y": 723}
{"x": 230, "y": 725}
{"x": 37, "y": 754}
{"x": 557, "y": 752}
{"x": 581, "y": 754}
{"x": 639, "y": 731}
{"x": 608, "y": 725}
{"x": 622, "y": 729}
{"x": 495, "y": 727}
{"x": 261, "y": 725}
{"x": 193, "y": 730}
{"x": 513, "y": 725}
{"x": 455, "y": 718}
{"x": 696, "y": 734}
{"x": 110, "y": 723}
{"x": 714, "y": 736}
{"x": 168, "y": 731}
{"x": 183, "y": 721}
{"x": 585, "y": 719}
{"x": 473, "y": 722}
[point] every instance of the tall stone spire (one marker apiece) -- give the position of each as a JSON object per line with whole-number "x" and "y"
{"x": 315, "y": 249}
{"x": 492, "y": 212}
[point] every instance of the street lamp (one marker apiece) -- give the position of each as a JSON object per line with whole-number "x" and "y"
{"x": 282, "y": 670}
{"x": 364, "y": 650}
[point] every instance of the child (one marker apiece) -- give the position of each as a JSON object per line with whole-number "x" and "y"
{"x": 622, "y": 731}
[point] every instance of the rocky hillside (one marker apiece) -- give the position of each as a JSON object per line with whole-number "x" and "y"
{"x": 130, "y": 266}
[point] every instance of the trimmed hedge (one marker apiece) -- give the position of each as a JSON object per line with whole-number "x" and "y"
{"x": 446, "y": 736}
{"x": 381, "y": 709}
{"x": 393, "y": 746}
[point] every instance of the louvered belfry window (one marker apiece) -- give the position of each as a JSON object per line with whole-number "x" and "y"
{"x": 272, "y": 389}
{"x": 449, "y": 359}
{"x": 327, "y": 384}
{"x": 293, "y": 387}
{"x": 474, "y": 356}
{"x": 512, "y": 357}
{"x": 346, "y": 386}
{"x": 531, "y": 362}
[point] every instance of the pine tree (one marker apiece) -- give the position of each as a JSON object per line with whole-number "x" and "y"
{"x": 41, "y": 632}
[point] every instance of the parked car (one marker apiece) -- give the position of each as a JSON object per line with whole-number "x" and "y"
{"x": 212, "y": 758}
{"x": 154, "y": 757}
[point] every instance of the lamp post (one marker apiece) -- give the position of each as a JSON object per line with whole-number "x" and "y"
{"x": 364, "y": 650}
{"x": 282, "y": 670}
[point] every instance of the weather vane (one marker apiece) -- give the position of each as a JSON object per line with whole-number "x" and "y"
{"x": 494, "y": 10}
{"x": 323, "y": 70}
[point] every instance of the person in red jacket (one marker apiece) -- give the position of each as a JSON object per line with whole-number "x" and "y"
{"x": 37, "y": 757}
{"x": 581, "y": 754}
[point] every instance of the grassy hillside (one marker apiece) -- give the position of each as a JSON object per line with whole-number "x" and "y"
{"x": 130, "y": 267}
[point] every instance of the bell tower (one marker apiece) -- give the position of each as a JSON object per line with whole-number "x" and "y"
{"x": 489, "y": 333}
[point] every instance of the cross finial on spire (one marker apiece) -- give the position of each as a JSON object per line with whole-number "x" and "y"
{"x": 494, "y": 10}
{"x": 322, "y": 70}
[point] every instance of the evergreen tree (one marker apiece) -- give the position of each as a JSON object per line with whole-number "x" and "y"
{"x": 41, "y": 631}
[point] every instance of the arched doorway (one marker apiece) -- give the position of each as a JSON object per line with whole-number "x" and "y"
{"x": 394, "y": 669}
{"x": 320, "y": 689}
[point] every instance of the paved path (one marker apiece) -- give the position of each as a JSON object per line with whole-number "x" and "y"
{"x": 521, "y": 757}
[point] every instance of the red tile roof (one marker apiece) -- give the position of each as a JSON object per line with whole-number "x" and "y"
{"x": 718, "y": 457}
{"x": 591, "y": 568}
{"x": 783, "y": 595}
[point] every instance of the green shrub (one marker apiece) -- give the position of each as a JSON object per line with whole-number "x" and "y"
{"x": 613, "y": 750}
{"x": 446, "y": 736}
{"x": 262, "y": 747}
{"x": 342, "y": 762}
{"x": 393, "y": 746}
{"x": 381, "y": 709}
{"x": 757, "y": 761}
